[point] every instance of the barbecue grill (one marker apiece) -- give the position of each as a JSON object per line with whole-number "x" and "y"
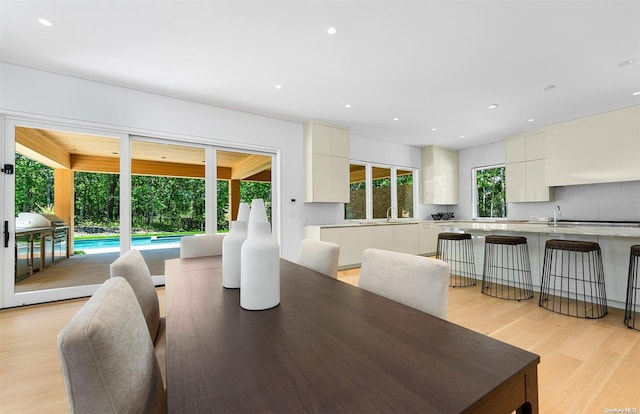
{"x": 41, "y": 239}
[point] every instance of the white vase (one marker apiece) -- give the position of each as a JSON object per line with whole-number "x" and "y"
{"x": 231, "y": 248}
{"x": 243, "y": 212}
{"x": 258, "y": 213}
{"x": 260, "y": 269}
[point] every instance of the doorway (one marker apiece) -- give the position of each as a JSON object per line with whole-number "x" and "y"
{"x": 114, "y": 192}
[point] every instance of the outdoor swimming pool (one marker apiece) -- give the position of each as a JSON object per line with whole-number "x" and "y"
{"x": 112, "y": 244}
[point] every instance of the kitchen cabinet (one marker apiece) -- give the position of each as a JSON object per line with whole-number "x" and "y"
{"x": 406, "y": 238}
{"x": 345, "y": 237}
{"x": 439, "y": 175}
{"x": 354, "y": 240}
{"x": 326, "y": 150}
{"x": 525, "y": 169}
{"x": 595, "y": 149}
{"x": 428, "y": 238}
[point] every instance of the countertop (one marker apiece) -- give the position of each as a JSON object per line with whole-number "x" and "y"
{"x": 507, "y": 225}
{"x": 535, "y": 227}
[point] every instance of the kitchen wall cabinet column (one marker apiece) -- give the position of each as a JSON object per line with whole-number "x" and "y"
{"x": 525, "y": 168}
{"x": 326, "y": 149}
{"x": 439, "y": 175}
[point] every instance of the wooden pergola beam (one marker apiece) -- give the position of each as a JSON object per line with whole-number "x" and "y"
{"x": 38, "y": 147}
{"x": 250, "y": 166}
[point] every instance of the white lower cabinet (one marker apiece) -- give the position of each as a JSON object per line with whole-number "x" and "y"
{"x": 414, "y": 238}
{"x": 406, "y": 238}
{"x": 383, "y": 237}
{"x": 428, "y": 238}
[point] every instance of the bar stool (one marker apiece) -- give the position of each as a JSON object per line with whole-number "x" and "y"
{"x": 573, "y": 279}
{"x": 632, "y": 307}
{"x": 457, "y": 250}
{"x": 507, "y": 272}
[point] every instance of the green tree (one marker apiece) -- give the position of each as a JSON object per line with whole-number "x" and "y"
{"x": 34, "y": 185}
{"x": 491, "y": 201}
{"x": 250, "y": 190}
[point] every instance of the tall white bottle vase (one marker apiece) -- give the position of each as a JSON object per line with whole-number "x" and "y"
{"x": 231, "y": 249}
{"x": 260, "y": 269}
{"x": 243, "y": 212}
{"x": 258, "y": 213}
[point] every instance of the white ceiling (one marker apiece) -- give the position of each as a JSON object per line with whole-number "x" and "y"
{"x": 432, "y": 63}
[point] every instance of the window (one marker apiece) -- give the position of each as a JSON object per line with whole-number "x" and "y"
{"x": 374, "y": 189}
{"x": 489, "y": 192}
{"x": 381, "y": 188}
{"x": 404, "y": 187}
{"x": 356, "y": 209}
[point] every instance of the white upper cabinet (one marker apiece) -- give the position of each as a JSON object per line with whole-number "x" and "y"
{"x": 439, "y": 175}
{"x": 525, "y": 168}
{"x": 596, "y": 149}
{"x": 326, "y": 149}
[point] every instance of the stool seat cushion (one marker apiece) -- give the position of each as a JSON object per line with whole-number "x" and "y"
{"x": 573, "y": 245}
{"x": 454, "y": 236}
{"x": 505, "y": 239}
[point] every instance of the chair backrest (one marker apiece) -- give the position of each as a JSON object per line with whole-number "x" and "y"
{"x": 108, "y": 361}
{"x": 132, "y": 266}
{"x": 201, "y": 245}
{"x": 416, "y": 281}
{"x": 320, "y": 256}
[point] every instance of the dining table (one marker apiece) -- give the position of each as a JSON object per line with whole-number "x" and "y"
{"x": 328, "y": 347}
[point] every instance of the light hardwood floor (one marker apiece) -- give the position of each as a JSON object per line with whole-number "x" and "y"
{"x": 587, "y": 366}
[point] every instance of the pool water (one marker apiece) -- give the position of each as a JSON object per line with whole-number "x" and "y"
{"x": 113, "y": 244}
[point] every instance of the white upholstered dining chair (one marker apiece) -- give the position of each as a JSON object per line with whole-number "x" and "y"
{"x": 201, "y": 245}
{"x": 108, "y": 361}
{"x": 320, "y": 256}
{"x": 416, "y": 281}
{"x": 132, "y": 267}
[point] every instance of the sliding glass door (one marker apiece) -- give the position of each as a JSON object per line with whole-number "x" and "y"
{"x": 169, "y": 187}
{"x": 78, "y": 198}
{"x": 63, "y": 193}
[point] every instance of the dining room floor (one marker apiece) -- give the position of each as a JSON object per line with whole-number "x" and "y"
{"x": 587, "y": 366}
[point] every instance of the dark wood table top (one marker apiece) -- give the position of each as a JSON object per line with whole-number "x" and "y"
{"x": 329, "y": 347}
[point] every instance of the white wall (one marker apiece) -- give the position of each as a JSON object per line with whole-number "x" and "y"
{"x": 367, "y": 150}
{"x": 38, "y": 95}
{"x": 609, "y": 201}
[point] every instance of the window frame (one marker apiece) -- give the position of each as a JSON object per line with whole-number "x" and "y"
{"x": 394, "y": 191}
{"x": 474, "y": 190}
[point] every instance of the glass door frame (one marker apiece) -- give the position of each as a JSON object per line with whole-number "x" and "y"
{"x": 8, "y": 296}
{"x": 8, "y": 124}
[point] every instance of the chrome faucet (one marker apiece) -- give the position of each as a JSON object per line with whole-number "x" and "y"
{"x": 389, "y": 214}
{"x": 556, "y": 214}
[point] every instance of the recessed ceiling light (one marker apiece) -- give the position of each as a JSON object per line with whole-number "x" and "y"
{"x": 461, "y": 136}
{"x": 278, "y": 86}
{"x": 636, "y": 93}
{"x": 493, "y": 106}
{"x": 347, "y": 106}
{"x": 45, "y": 22}
{"x": 625, "y": 63}
{"x": 530, "y": 120}
{"x": 548, "y": 88}
{"x": 396, "y": 119}
{"x": 331, "y": 30}
{"x": 434, "y": 129}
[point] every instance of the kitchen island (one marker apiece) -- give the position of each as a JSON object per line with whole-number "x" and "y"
{"x": 420, "y": 237}
{"x": 615, "y": 242}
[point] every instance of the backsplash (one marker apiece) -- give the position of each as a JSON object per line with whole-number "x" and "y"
{"x": 608, "y": 201}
